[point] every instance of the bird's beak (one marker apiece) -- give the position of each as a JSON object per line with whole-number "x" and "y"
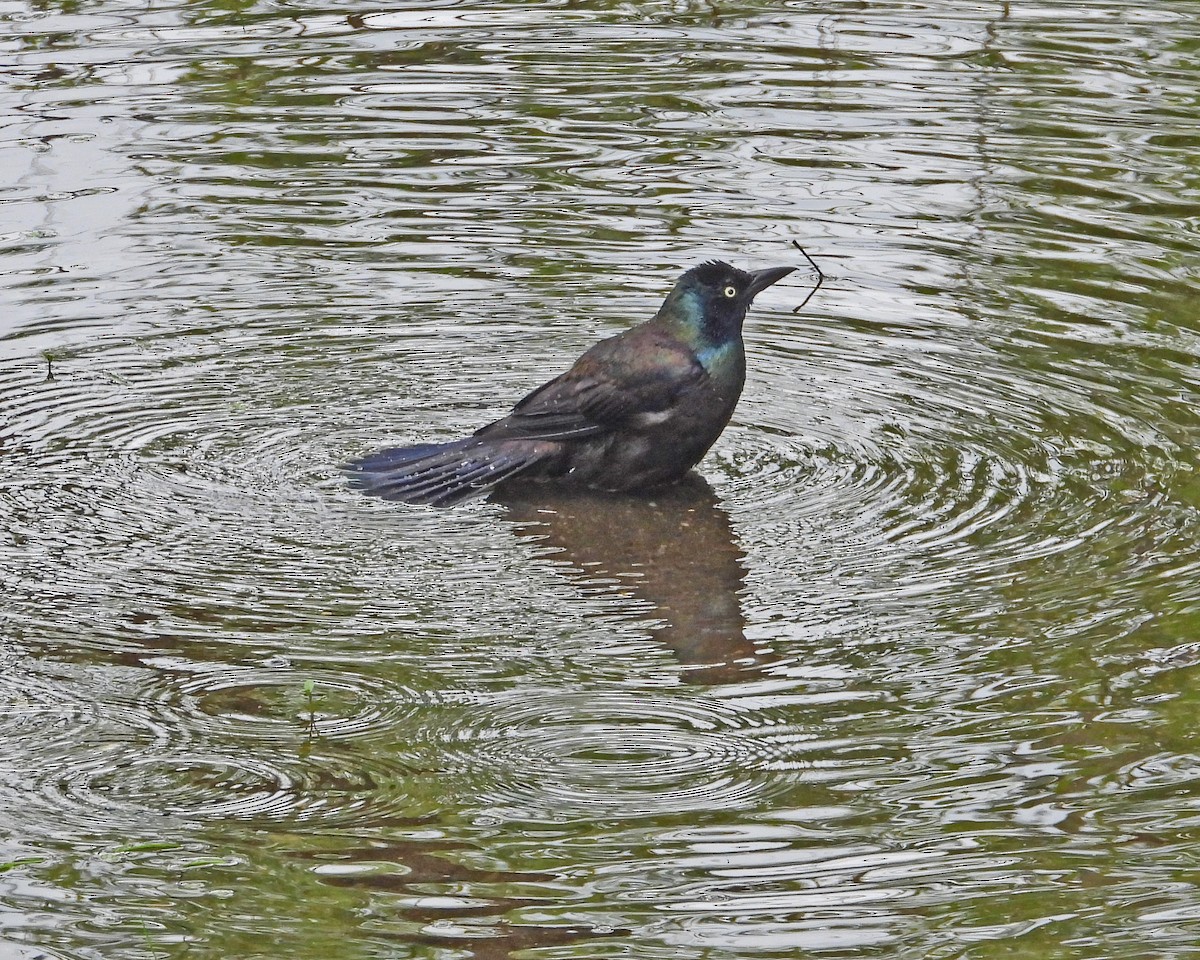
{"x": 764, "y": 278}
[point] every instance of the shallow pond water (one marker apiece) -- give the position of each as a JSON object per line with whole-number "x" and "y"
{"x": 908, "y": 674}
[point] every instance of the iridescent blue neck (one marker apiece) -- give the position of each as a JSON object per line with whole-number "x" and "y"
{"x": 684, "y": 312}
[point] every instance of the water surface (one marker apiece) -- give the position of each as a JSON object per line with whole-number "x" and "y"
{"x": 909, "y": 674}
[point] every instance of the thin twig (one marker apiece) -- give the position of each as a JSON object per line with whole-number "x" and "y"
{"x": 820, "y": 276}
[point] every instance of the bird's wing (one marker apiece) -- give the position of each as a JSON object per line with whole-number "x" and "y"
{"x": 640, "y": 371}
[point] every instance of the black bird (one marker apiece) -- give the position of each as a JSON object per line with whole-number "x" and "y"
{"x": 636, "y": 411}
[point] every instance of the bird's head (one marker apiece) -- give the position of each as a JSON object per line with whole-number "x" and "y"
{"x": 711, "y": 300}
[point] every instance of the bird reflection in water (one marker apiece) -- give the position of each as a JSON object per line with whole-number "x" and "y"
{"x": 673, "y": 548}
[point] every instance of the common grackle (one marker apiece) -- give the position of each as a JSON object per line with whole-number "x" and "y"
{"x": 636, "y": 411}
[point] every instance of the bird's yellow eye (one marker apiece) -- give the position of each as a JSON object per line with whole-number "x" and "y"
{"x": 730, "y": 292}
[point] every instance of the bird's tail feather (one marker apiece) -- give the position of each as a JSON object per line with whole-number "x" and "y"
{"x": 443, "y": 474}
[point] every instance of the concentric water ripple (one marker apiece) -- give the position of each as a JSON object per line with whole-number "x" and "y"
{"x": 266, "y": 704}
{"x": 559, "y": 756}
{"x": 969, "y": 477}
{"x": 181, "y": 754}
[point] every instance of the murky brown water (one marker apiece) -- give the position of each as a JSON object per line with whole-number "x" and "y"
{"x": 912, "y": 674}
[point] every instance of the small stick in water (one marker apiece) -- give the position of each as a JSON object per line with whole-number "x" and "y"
{"x": 820, "y": 276}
